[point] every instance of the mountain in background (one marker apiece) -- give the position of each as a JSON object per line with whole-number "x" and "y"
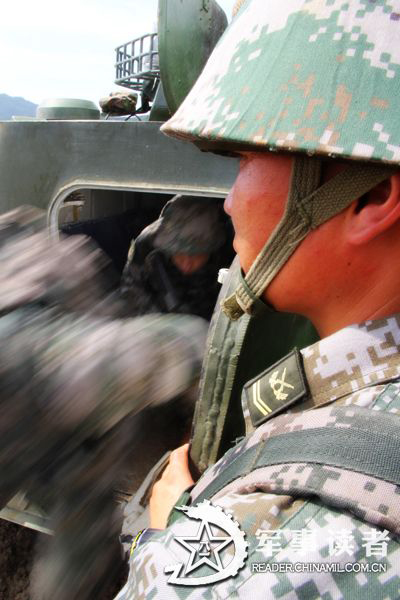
{"x": 17, "y": 106}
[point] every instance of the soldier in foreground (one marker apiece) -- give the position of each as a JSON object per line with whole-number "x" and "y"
{"x": 173, "y": 264}
{"x": 79, "y": 391}
{"x": 298, "y": 89}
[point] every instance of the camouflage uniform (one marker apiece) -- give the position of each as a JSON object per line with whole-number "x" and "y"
{"x": 73, "y": 381}
{"x": 315, "y": 78}
{"x": 152, "y": 283}
{"x": 357, "y": 367}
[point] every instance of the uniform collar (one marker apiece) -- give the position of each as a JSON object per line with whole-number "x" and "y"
{"x": 354, "y": 358}
{"x": 350, "y": 360}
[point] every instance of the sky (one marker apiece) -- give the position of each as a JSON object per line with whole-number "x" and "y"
{"x": 51, "y": 49}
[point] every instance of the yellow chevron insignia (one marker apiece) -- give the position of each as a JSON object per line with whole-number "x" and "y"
{"x": 258, "y": 401}
{"x": 276, "y": 389}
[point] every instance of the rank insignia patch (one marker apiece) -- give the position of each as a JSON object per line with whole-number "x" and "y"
{"x": 277, "y": 388}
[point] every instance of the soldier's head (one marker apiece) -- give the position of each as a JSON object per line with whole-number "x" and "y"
{"x": 189, "y": 230}
{"x": 189, "y": 263}
{"x": 305, "y": 92}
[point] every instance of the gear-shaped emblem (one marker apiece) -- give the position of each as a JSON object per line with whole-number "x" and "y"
{"x": 217, "y": 532}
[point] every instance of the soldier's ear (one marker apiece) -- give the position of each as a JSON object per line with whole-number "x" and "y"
{"x": 374, "y": 213}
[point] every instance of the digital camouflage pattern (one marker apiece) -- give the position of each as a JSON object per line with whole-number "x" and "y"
{"x": 79, "y": 391}
{"x": 152, "y": 283}
{"x": 313, "y": 77}
{"x": 341, "y": 510}
{"x": 304, "y": 75}
{"x": 119, "y": 103}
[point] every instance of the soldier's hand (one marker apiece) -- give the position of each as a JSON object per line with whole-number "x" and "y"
{"x": 174, "y": 481}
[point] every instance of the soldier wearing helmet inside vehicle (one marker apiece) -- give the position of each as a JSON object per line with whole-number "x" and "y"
{"x": 306, "y": 93}
{"x": 173, "y": 264}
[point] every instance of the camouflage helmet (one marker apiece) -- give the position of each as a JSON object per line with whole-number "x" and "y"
{"x": 313, "y": 77}
{"x": 189, "y": 225}
{"x": 319, "y": 76}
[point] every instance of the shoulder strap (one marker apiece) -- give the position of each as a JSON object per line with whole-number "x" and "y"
{"x": 357, "y": 439}
{"x": 236, "y": 352}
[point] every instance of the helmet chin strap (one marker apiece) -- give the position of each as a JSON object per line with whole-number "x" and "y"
{"x": 309, "y": 205}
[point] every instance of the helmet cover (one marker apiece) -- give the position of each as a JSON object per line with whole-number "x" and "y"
{"x": 315, "y": 76}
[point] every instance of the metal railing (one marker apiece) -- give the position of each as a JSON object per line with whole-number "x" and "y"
{"x": 137, "y": 62}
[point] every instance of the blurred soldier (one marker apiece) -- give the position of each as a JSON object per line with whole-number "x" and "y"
{"x": 173, "y": 264}
{"x": 297, "y": 89}
{"x": 78, "y": 390}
